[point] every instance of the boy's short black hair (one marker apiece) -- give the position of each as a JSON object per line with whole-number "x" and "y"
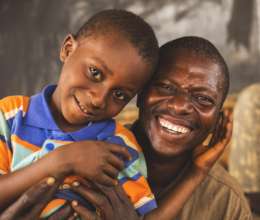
{"x": 133, "y": 27}
{"x": 201, "y": 47}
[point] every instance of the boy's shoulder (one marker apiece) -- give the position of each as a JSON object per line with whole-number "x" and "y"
{"x": 127, "y": 135}
{"x": 12, "y": 104}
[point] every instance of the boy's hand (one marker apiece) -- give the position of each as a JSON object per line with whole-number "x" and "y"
{"x": 96, "y": 161}
{"x": 204, "y": 157}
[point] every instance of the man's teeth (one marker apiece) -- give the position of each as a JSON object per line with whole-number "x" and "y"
{"x": 173, "y": 127}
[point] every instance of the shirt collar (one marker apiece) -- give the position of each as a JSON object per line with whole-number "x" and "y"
{"x": 39, "y": 114}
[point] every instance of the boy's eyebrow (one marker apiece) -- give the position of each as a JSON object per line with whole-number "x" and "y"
{"x": 102, "y": 63}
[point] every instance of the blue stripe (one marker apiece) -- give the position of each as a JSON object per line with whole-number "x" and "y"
{"x": 2, "y": 138}
{"x": 125, "y": 179}
{"x": 147, "y": 207}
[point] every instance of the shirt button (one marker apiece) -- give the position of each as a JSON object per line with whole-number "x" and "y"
{"x": 49, "y": 146}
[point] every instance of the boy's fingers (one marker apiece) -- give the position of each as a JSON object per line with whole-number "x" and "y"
{"x": 106, "y": 180}
{"x": 122, "y": 151}
{"x": 116, "y": 162}
{"x": 111, "y": 171}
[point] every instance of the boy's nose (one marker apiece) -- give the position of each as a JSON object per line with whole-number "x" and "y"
{"x": 98, "y": 100}
{"x": 180, "y": 104}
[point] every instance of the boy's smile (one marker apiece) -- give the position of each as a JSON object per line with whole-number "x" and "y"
{"x": 100, "y": 75}
{"x": 181, "y": 105}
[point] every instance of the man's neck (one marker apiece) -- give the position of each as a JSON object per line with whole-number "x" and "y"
{"x": 162, "y": 171}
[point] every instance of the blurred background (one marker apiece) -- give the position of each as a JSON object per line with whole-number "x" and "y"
{"x": 32, "y": 31}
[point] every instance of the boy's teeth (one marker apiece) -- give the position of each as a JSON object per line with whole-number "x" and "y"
{"x": 173, "y": 127}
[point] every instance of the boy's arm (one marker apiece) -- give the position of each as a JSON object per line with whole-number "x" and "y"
{"x": 67, "y": 160}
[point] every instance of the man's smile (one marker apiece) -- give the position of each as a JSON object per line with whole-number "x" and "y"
{"x": 172, "y": 127}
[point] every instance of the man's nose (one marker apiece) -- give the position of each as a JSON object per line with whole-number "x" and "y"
{"x": 180, "y": 104}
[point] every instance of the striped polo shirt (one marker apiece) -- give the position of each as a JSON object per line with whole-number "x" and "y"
{"x": 28, "y": 132}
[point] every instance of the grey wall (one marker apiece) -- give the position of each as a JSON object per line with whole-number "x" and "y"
{"x": 31, "y": 32}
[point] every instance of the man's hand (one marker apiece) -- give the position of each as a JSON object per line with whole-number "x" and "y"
{"x": 96, "y": 161}
{"x": 204, "y": 157}
{"x": 30, "y": 205}
{"x": 111, "y": 203}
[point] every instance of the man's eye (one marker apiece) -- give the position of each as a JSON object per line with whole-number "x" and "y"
{"x": 120, "y": 95}
{"x": 204, "y": 100}
{"x": 95, "y": 73}
{"x": 166, "y": 87}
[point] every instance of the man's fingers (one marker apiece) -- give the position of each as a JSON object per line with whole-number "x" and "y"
{"x": 37, "y": 197}
{"x": 84, "y": 213}
{"x": 63, "y": 213}
{"x": 95, "y": 198}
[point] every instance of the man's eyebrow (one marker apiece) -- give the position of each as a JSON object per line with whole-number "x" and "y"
{"x": 103, "y": 64}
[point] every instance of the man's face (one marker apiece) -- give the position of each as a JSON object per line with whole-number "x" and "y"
{"x": 181, "y": 105}
{"x": 99, "y": 77}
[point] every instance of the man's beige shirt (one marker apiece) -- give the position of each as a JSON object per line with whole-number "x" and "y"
{"x": 219, "y": 197}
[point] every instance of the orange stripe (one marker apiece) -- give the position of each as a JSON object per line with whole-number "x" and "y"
{"x": 26, "y": 144}
{"x": 120, "y": 129}
{"x": 5, "y": 157}
{"x": 13, "y": 102}
{"x": 52, "y": 206}
{"x": 137, "y": 189}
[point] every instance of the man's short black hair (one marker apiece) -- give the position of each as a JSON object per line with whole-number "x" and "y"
{"x": 201, "y": 47}
{"x": 133, "y": 28}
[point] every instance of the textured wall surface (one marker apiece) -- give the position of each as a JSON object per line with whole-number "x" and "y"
{"x": 31, "y": 32}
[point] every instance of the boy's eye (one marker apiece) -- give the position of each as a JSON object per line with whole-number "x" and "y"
{"x": 120, "y": 95}
{"x": 95, "y": 73}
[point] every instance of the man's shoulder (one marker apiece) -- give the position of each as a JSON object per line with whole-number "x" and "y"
{"x": 219, "y": 197}
{"x": 219, "y": 177}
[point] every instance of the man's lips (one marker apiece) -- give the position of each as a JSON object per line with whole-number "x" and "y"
{"x": 173, "y": 126}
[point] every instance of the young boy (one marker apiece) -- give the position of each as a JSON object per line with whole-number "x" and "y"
{"x": 105, "y": 65}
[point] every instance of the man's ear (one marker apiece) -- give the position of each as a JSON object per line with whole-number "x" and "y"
{"x": 140, "y": 99}
{"x": 68, "y": 46}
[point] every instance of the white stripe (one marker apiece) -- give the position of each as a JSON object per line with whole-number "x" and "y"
{"x": 143, "y": 201}
{"x": 13, "y": 112}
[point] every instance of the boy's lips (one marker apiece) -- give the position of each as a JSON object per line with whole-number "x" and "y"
{"x": 83, "y": 109}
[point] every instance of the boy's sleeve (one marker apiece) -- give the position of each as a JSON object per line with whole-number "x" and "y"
{"x": 133, "y": 177}
{"x": 5, "y": 151}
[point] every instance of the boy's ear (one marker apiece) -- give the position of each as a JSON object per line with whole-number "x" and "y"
{"x": 68, "y": 46}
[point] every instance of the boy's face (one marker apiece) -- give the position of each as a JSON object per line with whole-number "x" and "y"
{"x": 182, "y": 105}
{"x": 100, "y": 75}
